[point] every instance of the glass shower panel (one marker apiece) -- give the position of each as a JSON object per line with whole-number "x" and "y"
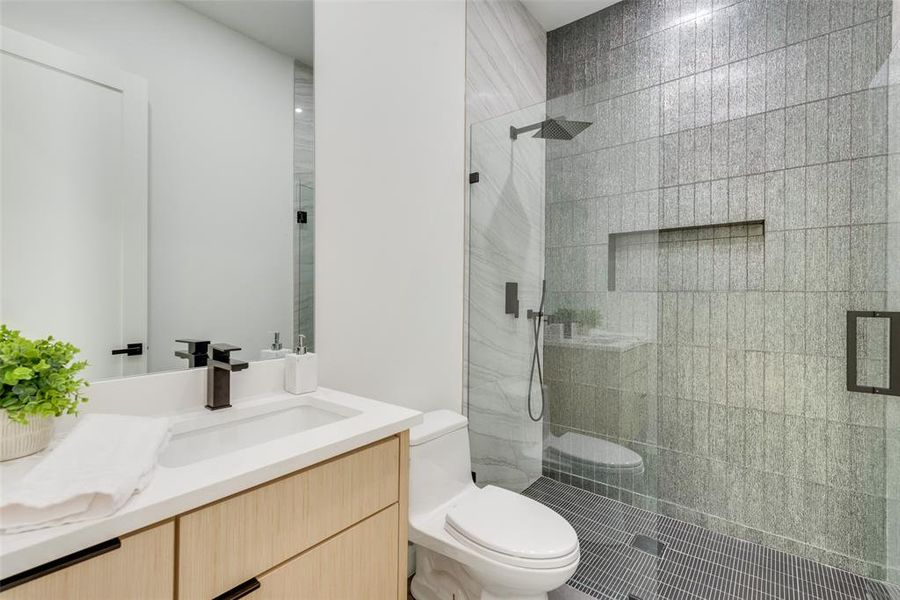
{"x": 556, "y": 228}
{"x": 506, "y": 243}
{"x": 600, "y": 344}
{"x": 890, "y": 551}
{"x": 561, "y": 237}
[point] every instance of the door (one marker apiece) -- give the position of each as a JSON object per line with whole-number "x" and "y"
{"x": 73, "y": 202}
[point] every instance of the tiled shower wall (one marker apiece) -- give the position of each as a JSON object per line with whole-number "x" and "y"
{"x": 707, "y": 114}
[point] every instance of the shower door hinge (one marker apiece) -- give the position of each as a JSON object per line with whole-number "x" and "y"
{"x": 301, "y": 216}
{"x": 474, "y": 176}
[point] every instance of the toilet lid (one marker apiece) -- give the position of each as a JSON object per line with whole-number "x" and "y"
{"x": 512, "y": 525}
{"x": 594, "y": 450}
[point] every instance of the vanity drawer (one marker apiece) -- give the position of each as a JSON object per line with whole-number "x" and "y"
{"x": 224, "y": 544}
{"x": 358, "y": 563}
{"x": 142, "y": 568}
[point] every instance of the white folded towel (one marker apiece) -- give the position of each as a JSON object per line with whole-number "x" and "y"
{"x": 93, "y": 471}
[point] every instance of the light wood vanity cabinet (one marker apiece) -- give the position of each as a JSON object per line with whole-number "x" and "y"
{"x": 142, "y": 567}
{"x": 333, "y": 531}
{"x": 359, "y": 563}
{"x": 229, "y": 542}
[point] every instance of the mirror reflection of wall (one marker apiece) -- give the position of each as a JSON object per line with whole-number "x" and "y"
{"x": 203, "y": 110}
{"x": 304, "y": 203}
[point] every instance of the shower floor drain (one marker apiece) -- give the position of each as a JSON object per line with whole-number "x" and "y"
{"x": 647, "y": 544}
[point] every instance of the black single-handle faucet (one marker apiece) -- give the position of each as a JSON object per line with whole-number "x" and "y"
{"x": 197, "y": 353}
{"x": 218, "y": 385}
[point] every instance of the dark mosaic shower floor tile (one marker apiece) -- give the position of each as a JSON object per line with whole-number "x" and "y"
{"x": 692, "y": 563}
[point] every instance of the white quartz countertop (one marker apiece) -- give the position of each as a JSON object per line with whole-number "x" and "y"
{"x": 176, "y": 490}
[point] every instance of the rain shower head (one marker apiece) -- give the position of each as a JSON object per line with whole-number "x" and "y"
{"x": 552, "y": 129}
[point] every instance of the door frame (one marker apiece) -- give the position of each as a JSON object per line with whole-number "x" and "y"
{"x": 135, "y": 121}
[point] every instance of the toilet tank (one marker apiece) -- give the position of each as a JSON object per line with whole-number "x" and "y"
{"x": 439, "y": 463}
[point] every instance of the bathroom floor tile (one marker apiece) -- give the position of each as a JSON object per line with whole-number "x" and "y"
{"x": 697, "y": 564}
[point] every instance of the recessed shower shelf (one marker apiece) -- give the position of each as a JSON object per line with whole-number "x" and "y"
{"x": 615, "y": 238}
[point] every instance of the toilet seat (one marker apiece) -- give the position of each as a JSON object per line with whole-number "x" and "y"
{"x": 512, "y": 529}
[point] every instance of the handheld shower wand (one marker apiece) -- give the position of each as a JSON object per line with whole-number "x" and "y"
{"x": 537, "y": 322}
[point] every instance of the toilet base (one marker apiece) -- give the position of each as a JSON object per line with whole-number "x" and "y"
{"x": 441, "y": 578}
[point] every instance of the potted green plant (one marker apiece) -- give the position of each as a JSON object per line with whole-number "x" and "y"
{"x": 589, "y": 319}
{"x": 566, "y": 316}
{"x": 39, "y": 380}
{"x": 574, "y": 320}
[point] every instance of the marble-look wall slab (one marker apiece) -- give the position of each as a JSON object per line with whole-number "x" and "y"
{"x": 505, "y": 74}
{"x": 506, "y": 59}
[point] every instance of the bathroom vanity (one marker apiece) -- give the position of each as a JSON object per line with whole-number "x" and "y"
{"x": 322, "y": 509}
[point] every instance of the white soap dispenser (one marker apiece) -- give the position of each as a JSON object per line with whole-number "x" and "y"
{"x": 276, "y": 351}
{"x": 301, "y": 370}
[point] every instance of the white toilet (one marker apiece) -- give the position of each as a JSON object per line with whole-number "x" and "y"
{"x": 574, "y": 452}
{"x": 472, "y": 543}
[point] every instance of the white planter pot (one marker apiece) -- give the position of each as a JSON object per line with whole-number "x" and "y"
{"x": 18, "y": 440}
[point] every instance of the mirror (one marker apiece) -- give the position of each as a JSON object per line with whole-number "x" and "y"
{"x": 158, "y": 178}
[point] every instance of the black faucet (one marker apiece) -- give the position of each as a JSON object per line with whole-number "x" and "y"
{"x": 218, "y": 386}
{"x": 197, "y": 352}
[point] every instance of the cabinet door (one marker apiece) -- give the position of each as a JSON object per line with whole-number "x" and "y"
{"x": 142, "y": 568}
{"x": 361, "y": 562}
{"x": 238, "y": 538}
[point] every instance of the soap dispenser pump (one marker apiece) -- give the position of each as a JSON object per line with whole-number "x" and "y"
{"x": 301, "y": 370}
{"x": 277, "y": 350}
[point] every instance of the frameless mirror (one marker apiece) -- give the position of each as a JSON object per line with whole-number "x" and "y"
{"x": 157, "y": 177}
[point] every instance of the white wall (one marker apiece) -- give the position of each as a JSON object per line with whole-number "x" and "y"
{"x": 390, "y": 94}
{"x": 221, "y": 127}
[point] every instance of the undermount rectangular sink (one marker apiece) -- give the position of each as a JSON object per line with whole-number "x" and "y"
{"x": 209, "y": 435}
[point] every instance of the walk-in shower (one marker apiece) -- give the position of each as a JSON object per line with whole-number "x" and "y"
{"x": 719, "y": 245}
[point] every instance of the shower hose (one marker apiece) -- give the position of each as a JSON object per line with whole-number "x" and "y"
{"x": 537, "y": 322}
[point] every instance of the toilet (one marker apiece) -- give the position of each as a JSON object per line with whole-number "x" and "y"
{"x": 605, "y": 461}
{"x": 478, "y": 543}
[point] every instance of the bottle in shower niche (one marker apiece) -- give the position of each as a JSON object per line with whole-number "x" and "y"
{"x": 277, "y": 350}
{"x": 301, "y": 370}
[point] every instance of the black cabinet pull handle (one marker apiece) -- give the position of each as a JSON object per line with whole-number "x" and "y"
{"x": 239, "y": 591}
{"x": 59, "y": 564}
{"x": 131, "y": 350}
